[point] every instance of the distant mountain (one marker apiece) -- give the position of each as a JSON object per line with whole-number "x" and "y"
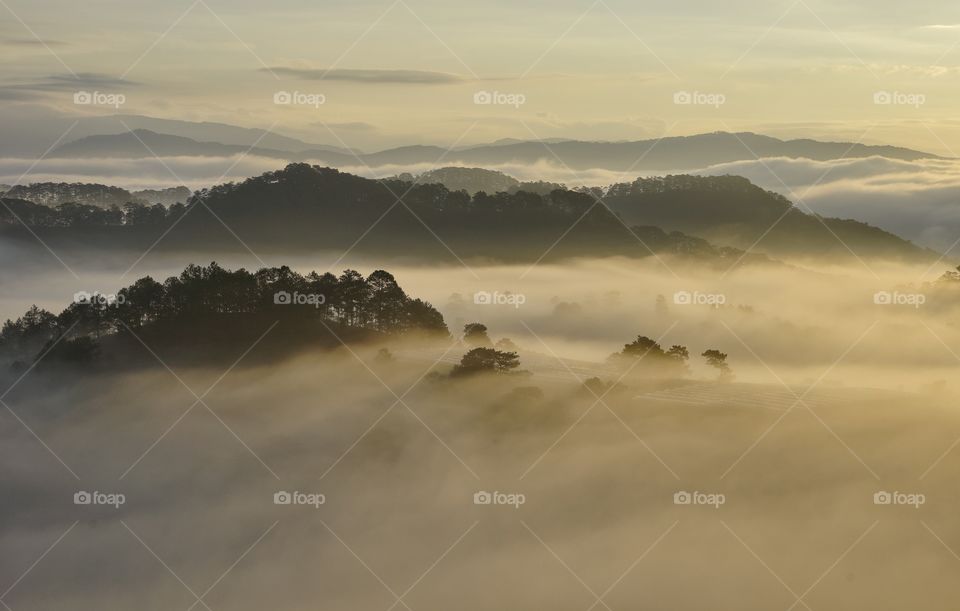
{"x": 676, "y": 153}
{"x": 4, "y": 188}
{"x": 202, "y": 131}
{"x": 503, "y": 141}
{"x": 142, "y": 143}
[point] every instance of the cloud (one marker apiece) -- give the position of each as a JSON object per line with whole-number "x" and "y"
{"x": 146, "y": 173}
{"x": 31, "y": 42}
{"x": 398, "y": 485}
{"x": 45, "y": 87}
{"x": 18, "y": 95}
{"x": 410, "y": 77}
{"x": 61, "y": 82}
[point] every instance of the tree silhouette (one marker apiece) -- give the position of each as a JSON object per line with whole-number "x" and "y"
{"x": 718, "y": 360}
{"x": 486, "y": 360}
{"x": 475, "y": 334}
{"x": 386, "y": 300}
{"x": 679, "y": 353}
{"x": 647, "y": 356}
{"x": 204, "y": 300}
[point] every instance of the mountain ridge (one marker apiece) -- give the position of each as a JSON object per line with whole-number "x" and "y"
{"x": 676, "y": 153}
{"x": 310, "y": 207}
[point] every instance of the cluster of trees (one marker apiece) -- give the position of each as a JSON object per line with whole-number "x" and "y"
{"x": 470, "y": 180}
{"x": 103, "y": 196}
{"x": 485, "y": 356}
{"x": 950, "y": 279}
{"x": 53, "y": 193}
{"x": 643, "y": 355}
{"x": 486, "y": 360}
{"x": 672, "y": 361}
{"x": 200, "y": 294}
{"x": 73, "y": 214}
{"x": 718, "y": 360}
{"x": 687, "y": 182}
{"x": 475, "y": 180}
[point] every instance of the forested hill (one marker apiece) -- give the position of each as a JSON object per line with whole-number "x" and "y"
{"x": 471, "y": 180}
{"x": 209, "y": 312}
{"x": 104, "y": 196}
{"x": 725, "y": 210}
{"x": 309, "y": 208}
{"x": 304, "y": 208}
{"x": 731, "y": 210}
{"x": 475, "y": 180}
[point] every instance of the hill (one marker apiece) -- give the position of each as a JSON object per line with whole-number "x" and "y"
{"x": 475, "y": 180}
{"x": 471, "y": 180}
{"x": 204, "y": 131}
{"x": 93, "y": 194}
{"x": 309, "y": 208}
{"x": 206, "y": 312}
{"x": 732, "y": 211}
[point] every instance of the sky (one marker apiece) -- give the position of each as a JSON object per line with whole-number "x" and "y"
{"x": 376, "y": 74}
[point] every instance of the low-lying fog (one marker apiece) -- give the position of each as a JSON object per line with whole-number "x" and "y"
{"x": 787, "y": 506}
{"x": 777, "y": 323}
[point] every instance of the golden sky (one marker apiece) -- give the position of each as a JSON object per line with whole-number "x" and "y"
{"x": 398, "y": 72}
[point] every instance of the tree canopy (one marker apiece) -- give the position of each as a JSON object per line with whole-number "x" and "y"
{"x": 202, "y": 294}
{"x": 486, "y": 360}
